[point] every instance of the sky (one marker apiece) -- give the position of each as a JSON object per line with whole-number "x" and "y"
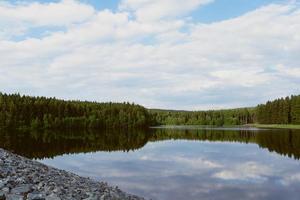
{"x": 169, "y": 54}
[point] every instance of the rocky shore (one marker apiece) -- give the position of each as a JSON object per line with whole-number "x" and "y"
{"x": 22, "y": 178}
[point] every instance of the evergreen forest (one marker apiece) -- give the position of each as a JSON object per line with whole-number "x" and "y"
{"x": 26, "y": 112}
{"x": 21, "y": 112}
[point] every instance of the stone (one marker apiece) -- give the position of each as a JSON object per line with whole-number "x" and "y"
{"x": 52, "y": 197}
{"x": 21, "y": 189}
{"x": 22, "y": 178}
{"x": 35, "y": 196}
{"x": 2, "y": 196}
{"x": 14, "y": 197}
{"x": 5, "y": 190}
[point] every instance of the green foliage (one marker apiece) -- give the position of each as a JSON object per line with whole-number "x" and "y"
{"x": 280, "y": 111}
{"x": 295, "y": 109}
{"x": 49, "y": 113}
{"x": 211, "y": 118}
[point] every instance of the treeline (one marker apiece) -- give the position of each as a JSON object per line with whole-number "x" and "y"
{"x": 280, "y": 111}
{"x": 20, "y": 112}
{"x": 211, "y": 118}
{"x": 23, "y": 112}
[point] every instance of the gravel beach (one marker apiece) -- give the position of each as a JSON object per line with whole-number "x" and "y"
{"x": 22, "y": 178}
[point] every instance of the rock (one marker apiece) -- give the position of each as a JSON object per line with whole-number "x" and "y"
{"x": 52, "y": 197}
{"x": 21, "y": 189}
{"x": 5, "y": 190}
{"x": 14, "y": 197}
{"x": 2, "y": 196}
{"x": 21, "y": 178}
{"x": 35, "y": 196}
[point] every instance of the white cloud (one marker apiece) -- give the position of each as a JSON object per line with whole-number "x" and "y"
{"x": 149, "y": 10}
{"x": 105, "y": 55}
{"x": 62, "y": 13}
{"x": 15, "y": 19}
{"x": 288, "y": 71}
{"x": 249, "y": 79}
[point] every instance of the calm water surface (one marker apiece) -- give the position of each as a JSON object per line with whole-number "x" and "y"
{"x": 175, "y": 162}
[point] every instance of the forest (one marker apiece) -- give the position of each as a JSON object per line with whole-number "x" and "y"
{"x": 211, "y": 118}
{"x": 26, "y": 112}
{"x": 23, "y": 112}
{"x": 280, "y": 111}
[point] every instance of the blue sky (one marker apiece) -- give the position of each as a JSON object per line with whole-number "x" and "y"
{"x": 196, "y": 54}
{"x": 226, "y": 9}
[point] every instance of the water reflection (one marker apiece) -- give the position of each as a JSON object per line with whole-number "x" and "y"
{"x": 175, "y": 164}
{"x": 49, "y": 144}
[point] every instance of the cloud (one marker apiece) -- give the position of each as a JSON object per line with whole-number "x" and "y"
{"x": 17, "y": 18}
{"x": 165, "y": 62}
{"x": 288, "y": 71}
{"x": 152, "y": 10}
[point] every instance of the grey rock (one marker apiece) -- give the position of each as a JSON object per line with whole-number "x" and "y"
{"x": 52, "y": 197}
{"x": 14, "y": 197}
{"x": 35, "y": 196}
{"x": 5, "y": 190}
{"x": 21, "y": 178}
{"x": 2, "y": 184}
{"x": 2, "y": 196}
{"x": 21, "y": 189}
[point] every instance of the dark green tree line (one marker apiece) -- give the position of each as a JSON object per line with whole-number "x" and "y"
{"x": 280, "y": 111}
{"x": 18, "y": 111}
{"x": 212, "y": 117}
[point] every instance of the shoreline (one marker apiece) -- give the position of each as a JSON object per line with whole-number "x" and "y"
{"x": 22, "y": 178}
{"x": 275, "y": 126}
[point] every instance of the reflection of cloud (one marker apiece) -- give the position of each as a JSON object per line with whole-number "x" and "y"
{"x": 249, "y": 171}
{"x": 198, "y": 163}
{"x": 290, "y": 179}
{"x": 186, "y": 170}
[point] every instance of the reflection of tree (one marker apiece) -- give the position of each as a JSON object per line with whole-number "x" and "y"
{"x": 204, "y": 135}
{"x": 284, "y": 142}
{"x": 287, "y": 143}
{"x": 50, "y": 144}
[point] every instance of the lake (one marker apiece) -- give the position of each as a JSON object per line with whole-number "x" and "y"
{"x": 176, "y": 162}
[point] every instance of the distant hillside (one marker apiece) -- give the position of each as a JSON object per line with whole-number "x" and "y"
{"x": 280, "y": 111}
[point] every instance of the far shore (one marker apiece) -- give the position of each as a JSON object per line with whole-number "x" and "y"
{"x": 276, "y": 126}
